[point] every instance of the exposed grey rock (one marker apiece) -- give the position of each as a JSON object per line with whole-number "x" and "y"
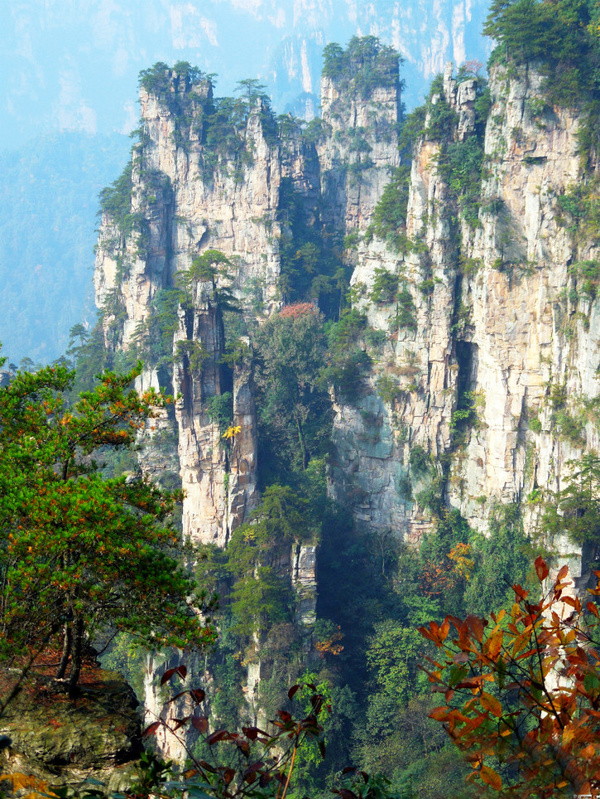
{"x": 64, "y": 742}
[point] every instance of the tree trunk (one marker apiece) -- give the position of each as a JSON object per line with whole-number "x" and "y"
{"x": 66, "y": 651}
{"x": 77, "y": 651}
{"x": 302, "y": 443}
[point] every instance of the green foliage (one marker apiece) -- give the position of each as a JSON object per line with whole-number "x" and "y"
{"x": 293, "y": 402}
{"x": 364, "y": 65}
{"x": 388, "y": 388}
{"x": 576, "y": 508}
{"x": 211, "y": 268}
{"x": 441, "y": 119}
{"x": 535, "y": 423}
{"x": 315, "y": 131}
{"x": 419, "y": 460}
{"x": 310, "y": 268}
{"x": 225, "y": 123}
{"x": 571, "y": 425}
{"x": 502, "y": 558}
{"x": 389, "y": 217}
{"x": 427, "y": 286}
{"x": 454, "y": 565}
{"x": 261, "y": 593}
{"x": 115, "y": 203}
{"x": 154, "y": 336}
{"x": 347, "y": 360}
{"x": 394, "y": 654}
{"x": 571, "y": 428}
{"x": 158, "y": 79}
{"x": 385, "y": 286}
{"x": 466, "y": 414}
{"x": 79, "y": 552}
{"x": 405, "y": 317}
{"x": 220, "y": 410}
{"x": 461, "y": 165}
{"x": 562, "y": 40}
{"x": 193, "y": 353}
{"x": 348, "y": 331}
{"x": 580, "y": 208}
{"x": 124, "y": 655}
{"x": 589, "y": 274}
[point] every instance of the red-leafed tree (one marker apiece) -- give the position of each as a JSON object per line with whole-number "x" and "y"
{"x": 522, "y": 691}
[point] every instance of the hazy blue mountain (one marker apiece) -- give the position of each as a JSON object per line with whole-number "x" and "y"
{"x": 48, "y": 203}
{"x": 70, "y": 71}
{"x": 72, "y": 64}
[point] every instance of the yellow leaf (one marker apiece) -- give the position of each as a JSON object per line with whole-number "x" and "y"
{"x": 490, "y": 777}
{"x": 568, "y": 734}
{"x": 494, "y": 644}
{"x": 232, "y": 431}
{"x": 489, "y": 702}
{"x": 39, "y": 788}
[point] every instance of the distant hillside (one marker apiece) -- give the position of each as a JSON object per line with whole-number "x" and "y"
{"x": 68, "y": 65}
{"x": 48, "y": 203}
{"x": 70, "y": 71}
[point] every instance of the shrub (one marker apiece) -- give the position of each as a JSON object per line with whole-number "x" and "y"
{"x": 589, "y": 274}
{"x": 365, "y": 64}
{"x": 220, "y": 410}
{"x": 419, "y": 460}
{"x": 385, "y": 287}
{"x": 388, "y": 389}
{"x": 405, "y": 317}
{"x": 389, "y": 217}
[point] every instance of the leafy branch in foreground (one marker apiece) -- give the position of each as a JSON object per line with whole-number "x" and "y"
{"x": 253, "y": 762}
{"x": 523, "y": 692}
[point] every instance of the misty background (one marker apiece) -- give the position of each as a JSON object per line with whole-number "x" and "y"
{"x": 68, "y": 101}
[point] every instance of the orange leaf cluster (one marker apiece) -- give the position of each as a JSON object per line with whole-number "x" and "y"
{"x": 522, "y": 691}
{"x": 297, "y": 309}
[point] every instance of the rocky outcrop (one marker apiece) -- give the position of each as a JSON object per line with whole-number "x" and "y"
{"x": 209, "y": 176}
{"x": 187, "y": 198}
{"x": 223, "y": 176}
{"x": 482, "y": 356}
{"x": 360, "y": 150}
{"x": 502, "y": 340}
{"x": 56, "y": 741}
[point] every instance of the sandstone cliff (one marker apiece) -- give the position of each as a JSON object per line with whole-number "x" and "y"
{"x": 222, "y": 179}
{"x": 483, "y": 330}
{"x": 492, "y": 375}
{"x": 193, "y": 187}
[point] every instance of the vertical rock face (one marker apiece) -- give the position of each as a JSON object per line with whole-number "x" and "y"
{"x": 200, "y": 180}
{"x": 360, "y": 150}
{"x": 526, "y": 335}
{"x": 223, "y": 176}
{"x": 225, "y": 201}
{"x": 499, "y": 325}
{"x": 487, "y": 328}
{"x": 484, "y": 336}
{"x": 187, "y": 197}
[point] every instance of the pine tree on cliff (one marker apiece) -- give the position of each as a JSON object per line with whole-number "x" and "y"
{"x": 82, "y": 553}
